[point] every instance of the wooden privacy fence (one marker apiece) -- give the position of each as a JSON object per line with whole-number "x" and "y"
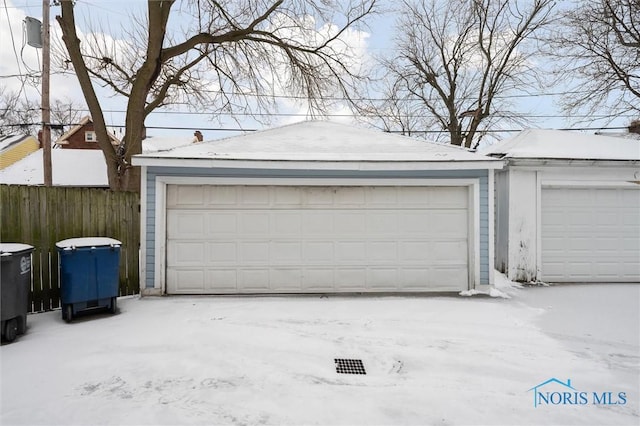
{"x": 41, "y": 216}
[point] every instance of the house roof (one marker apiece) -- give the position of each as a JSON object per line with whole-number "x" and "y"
{"x": 62, "y": 140}
{"x": 318, "y": 142}
{"x": 155, "y": 144}
{"x": 8, "y": 141}
{"x": 565, "y": 145}
{"x": 70, "y": 167}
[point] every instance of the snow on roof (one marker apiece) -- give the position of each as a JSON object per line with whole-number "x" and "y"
{"x": 319, "y": 141}
{"x": 563, "y": 144}
{"x": 70, "y": 167}
{"x": 155, "y": 144}
{"x": 8, "y": 140}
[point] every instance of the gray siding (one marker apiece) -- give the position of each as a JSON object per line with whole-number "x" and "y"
{"x": 154, "y": 172}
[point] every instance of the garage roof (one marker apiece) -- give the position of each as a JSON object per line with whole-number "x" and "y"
{"x": 319, "y": 142}
{"x": 565, "y": 145}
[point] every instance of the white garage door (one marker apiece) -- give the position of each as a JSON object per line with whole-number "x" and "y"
{"x": 286, "y": 239}
{"x": 590, "y": 234}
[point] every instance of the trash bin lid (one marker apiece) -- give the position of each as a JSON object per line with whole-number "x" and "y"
{"x": 87, "y": 242}
{"x": 7, "y": 249}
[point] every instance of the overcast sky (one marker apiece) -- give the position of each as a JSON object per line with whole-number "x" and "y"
{"x": 18, "y": 60}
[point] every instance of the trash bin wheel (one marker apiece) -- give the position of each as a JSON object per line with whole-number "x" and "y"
{"x": 11, "y": 329}
{"x": 67, "y": 313}
{"x": 114, "y": 305}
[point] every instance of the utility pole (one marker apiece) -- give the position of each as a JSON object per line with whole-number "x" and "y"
{"x": 46, "y": 109}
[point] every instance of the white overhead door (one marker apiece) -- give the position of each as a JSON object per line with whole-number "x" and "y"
{"x": 591, "y": 234}
{"x": 311, "y": 239}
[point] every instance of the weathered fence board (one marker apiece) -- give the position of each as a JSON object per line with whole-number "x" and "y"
{"x": 42, "y": 216}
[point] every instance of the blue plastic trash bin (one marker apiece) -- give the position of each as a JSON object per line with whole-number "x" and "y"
{"x": 15, "y": 284}
{"x": 89, "y": 271}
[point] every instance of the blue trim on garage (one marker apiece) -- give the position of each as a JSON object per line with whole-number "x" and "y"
{"x": 154, "y": 172}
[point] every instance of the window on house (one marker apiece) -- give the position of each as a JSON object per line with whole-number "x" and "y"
{"x": 90, "y": 136}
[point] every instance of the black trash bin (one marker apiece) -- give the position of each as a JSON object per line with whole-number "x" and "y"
{"x": 89, "y": 274}
{"x": 15, "y": 283}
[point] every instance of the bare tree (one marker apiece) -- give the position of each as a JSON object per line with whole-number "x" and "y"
{"x": 228, "y": 52}
{"x": 597, "y": 49}
{"x": 454, "y": 59}
{"x": 20, "y": 114}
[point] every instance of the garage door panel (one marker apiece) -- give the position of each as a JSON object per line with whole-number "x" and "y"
{"x": 186, "y": 253}
{"x": 351, "y": 279}
{"x": 187, "y": 280}
{"x": 221, "y": 195}
{"x": 414, "y": 223}
{"x": 285, "y": 280}
{"x": 348, "y": 223}
{"x": 221, "y": 224}
{"x": 253, "y": 196}
{"x": 415, "y": 279}
{"x": 318, "y": 251}
{"x": 287, "y": 197}
{"x": 448, "y": 198}
{"x": 253, "y": 224}
{"x": 223, "y": 252}
{"x": 318, "y": 279}
{"x": 349, "y": 197}
{"x": 185, "y": 225}
{"x": 442, "y": 277}
{"x": 415, "y": 251}
{"x": 316, "y": 224}
{"x": 254, "y": 280}
{"x": 382, "y": 279}
{"x": 382, "y": 196}
{"x": 262, "y": 239}
{"x": 254, "y": 252}
{"x": 449, "y": 223}
{"x": 382, "y": 250}
{"x": 222, "y": 280}
{"x": 444, "y": 252}
{"x": 351, "y": 251}
{"x": 590, "y": 234}
{"x": 187, "y": 195}
{"x": 287, "y": 224}
{"x": 382, "y": 223}
{"x": 287, "y": 252}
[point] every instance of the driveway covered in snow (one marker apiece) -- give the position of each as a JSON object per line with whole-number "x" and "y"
{"x": 270, "y": 360}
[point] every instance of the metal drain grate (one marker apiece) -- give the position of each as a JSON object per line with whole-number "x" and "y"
{"x": 349, "y": 366}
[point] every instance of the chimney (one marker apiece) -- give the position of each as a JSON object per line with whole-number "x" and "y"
{"x": 634, "y": 127}
{"x": 197, "y": 136}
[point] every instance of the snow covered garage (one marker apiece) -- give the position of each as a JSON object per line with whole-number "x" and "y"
{"x": 568, "y": 207}
{"x": 316, "y": 207}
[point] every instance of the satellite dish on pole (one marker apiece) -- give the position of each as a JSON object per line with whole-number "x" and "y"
{"x": 34, "y": 32}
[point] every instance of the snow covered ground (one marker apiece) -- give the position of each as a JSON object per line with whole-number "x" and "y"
{"x": 270, "y": 360}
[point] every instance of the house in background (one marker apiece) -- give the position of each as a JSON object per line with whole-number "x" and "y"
{"x": 15, "y": 147}
{"x": 82, "y": 136}
{"x": 568, "y": 207}
{"x": 316, "y": 207}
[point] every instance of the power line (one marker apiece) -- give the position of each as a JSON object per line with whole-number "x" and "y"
{"x": 227, "y": 129}
{"x": 302, "y": 115}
